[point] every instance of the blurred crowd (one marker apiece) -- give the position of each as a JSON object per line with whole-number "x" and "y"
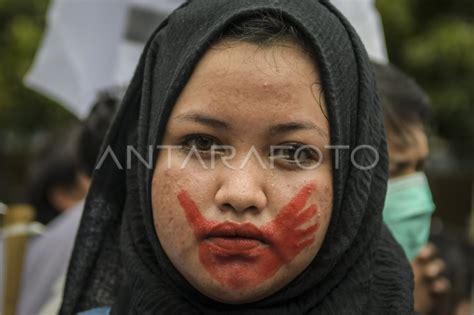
{"x": 59, "y": 178}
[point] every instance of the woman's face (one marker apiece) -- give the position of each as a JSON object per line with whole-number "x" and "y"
{"x": 242, "y": 200}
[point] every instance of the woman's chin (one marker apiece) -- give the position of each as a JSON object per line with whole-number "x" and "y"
{"x": 242, "y": 295}
{"x": 231, "y": 296}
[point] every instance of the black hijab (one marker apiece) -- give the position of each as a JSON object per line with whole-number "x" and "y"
{"x": 118, "y": 260}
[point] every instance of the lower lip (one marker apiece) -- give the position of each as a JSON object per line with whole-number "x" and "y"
{"x": 235, "y": 243}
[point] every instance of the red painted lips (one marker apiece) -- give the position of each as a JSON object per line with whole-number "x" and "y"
{"x": 234, "y": 245}
{"x": 233, "y": 237}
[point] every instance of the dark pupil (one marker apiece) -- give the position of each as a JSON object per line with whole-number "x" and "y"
{"x": 292, "y": 153}
{"x": 299, "y": 155}
{"x": 203, "y": 143}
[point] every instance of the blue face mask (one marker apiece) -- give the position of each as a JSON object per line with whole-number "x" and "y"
{"x": 407, "y": 212}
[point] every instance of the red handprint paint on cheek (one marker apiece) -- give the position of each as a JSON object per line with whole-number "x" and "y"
{"x": 243, "y": 255}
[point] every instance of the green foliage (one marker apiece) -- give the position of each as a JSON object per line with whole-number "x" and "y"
{"x": 22, "y": 110}
{"x": 23, "y": 113}
{"x": 433, "y": 40}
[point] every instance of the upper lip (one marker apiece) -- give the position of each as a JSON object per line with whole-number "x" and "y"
{"x": 230, "y": 229}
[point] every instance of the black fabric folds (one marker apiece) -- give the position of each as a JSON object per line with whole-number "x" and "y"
{"x": 118, "y": 260}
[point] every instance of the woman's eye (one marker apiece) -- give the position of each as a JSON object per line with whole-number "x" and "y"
{"x": 200, "y": 143}
{"x": 295, "y": 153}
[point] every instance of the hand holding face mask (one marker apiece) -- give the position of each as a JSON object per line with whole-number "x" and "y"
{"x": 407, "y": 212}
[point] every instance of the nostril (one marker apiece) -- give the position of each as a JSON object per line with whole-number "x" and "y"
{"x": 227, "y": 206}
{"x": 252, "y": 208}
{"x": 230, "y": 199}
{"x": 230, "y": 207}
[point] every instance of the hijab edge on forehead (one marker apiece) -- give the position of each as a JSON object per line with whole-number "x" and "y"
{"x": 76, "y": 298}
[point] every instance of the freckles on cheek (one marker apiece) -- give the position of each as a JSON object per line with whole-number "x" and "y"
{"x": 243, "y": 255}
{"x": 170, "y": 225}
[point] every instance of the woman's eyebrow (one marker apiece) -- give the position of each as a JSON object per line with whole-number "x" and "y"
{"x": 295, "y": 126}
{"x": 204, "y": 120}
{"x": 216, "y": 123}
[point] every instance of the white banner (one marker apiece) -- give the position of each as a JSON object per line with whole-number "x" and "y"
{"x": 92, "y": 45}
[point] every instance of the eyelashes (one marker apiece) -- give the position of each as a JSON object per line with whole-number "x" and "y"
{"x": 204, "y": 145}
{"x": 295, "y": 153}
{"x": 289, "y": 155}
{"x": 201, "y": 143}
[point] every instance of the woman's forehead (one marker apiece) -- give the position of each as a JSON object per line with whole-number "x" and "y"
{"x": 234, "y": 59}
{"x": 245, "y": 81}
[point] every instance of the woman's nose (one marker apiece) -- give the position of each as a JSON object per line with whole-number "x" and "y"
{"x": 242, "y": 190}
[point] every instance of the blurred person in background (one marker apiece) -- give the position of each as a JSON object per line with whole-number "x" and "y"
{"x": 73, "y": 161}
{"x": 56, "y": 191}
{"x": 409, "y": 204}
{"x": 458, "y": 256}
{"x": 54, "y": 185}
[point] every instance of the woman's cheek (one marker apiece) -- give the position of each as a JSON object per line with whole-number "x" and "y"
{"x": 172, "y": 228}
{"x": 325, "y": 200}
